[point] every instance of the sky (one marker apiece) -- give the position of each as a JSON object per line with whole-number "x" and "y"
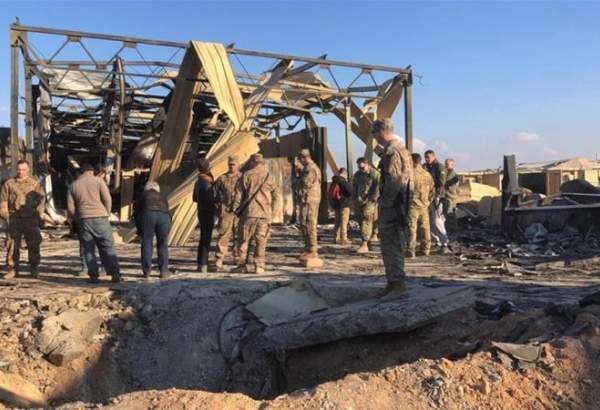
{"x": 494, "y": 77}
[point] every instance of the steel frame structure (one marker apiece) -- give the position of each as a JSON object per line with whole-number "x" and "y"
{"x": 122, "y": 96}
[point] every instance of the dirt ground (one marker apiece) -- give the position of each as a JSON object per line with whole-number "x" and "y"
{"x": 158, "y": 345}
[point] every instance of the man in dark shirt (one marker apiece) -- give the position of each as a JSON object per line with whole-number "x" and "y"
{"x": 341, "y": 205}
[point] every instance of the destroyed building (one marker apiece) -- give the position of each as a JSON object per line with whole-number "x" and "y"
{"x": 507, "y": 321}
{"x": 145, "y": 110}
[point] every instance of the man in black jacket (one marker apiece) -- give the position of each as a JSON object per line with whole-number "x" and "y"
{"x": 205, "y": 199}
{"x": 340, "y": 195}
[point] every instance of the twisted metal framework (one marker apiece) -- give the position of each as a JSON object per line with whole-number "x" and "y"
{"x": 117, "y": 89}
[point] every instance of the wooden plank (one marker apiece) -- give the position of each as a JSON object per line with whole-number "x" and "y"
{"x": 331, "y": 161}
{"x": 127, "y": 186}
{"x": 348, "y": 137}
{"x": 177, "y": 124}
{"x": 390, "y": 98}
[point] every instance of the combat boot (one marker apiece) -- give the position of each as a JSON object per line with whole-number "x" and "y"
{"x": 394, "y": 290}
{"x": 219, "y": 263}
{"x": 259, "y": 270}
{"x": 363, "y": 248}
{"x": 312, "y": 260}
{"x": 34, "y": 272}
{"x": 426, "y": 252}
{"x": 374, "y": 238}
{"x": 411, "y": 254}
{"x": 10, "y": 273}
{"x": 240, "y": 269}
{"x": 345, "y": 242}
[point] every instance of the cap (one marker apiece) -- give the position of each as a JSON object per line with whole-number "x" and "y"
{"x": 304, "y": 152}
{"x": 232, "y": 159}
{"x": 258, "y": 157}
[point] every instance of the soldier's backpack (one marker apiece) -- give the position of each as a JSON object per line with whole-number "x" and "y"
{"x": 335, "y": 193}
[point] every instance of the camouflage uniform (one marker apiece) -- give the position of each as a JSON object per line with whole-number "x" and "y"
{"x": 365, "y": 195}
{"x": 450, "y": 197}
{"x": 396, "y": 173}
{"x": 309, "y": 194}
{"x": 256, "y": 218}
{"x": 418, "y": 214}
{"x": 21, "y": 205}
{"x": 228, "y": 221}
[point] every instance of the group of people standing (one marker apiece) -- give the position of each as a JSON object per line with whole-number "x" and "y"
{"x": 400, "y": 196}
{"x": 432, "y": 200}
{"x": 243, "y": 204}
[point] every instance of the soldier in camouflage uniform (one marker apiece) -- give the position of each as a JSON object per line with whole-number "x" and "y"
{"x": 309, "y": 195}
{"x": 396, "y": 173}
{"x": 450, "y": 194}
{"x": 225, "y": 198}
{"x": 255, "y": 198}
{"x": 418, "y": 213}
{"x": 21, "y": 205}
{"x": 365, "y": 195}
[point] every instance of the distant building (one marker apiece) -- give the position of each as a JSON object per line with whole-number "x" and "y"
{"x": 541, "y": 177}
{"x": 547, "y": 177}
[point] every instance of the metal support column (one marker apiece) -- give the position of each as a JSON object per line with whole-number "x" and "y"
{"x": 28, "y": 117}
{"x": 348, "y": 122}
{"x": 408, "y": 119}
{"x": 14, "y": 100}
{"x": 120, "y": 122}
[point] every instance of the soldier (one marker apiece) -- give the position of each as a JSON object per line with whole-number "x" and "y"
{"x": 450, "y": 193}
{"x": 225, "y": 201}
{"x": 418, "y": 213}
{"x": 309, "y": 194}
{"x": 340, "y": 192}
{"x": 396, "y": 174}
{"x": 21, "y": 206}
{"x": 255, "y": 198}
{"x": 365, "y": 195}
{"x": 436, "y": 211}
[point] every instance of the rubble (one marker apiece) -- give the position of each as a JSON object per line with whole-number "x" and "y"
{"x": 16, "y": 391}
{"x": 64, "y": 337}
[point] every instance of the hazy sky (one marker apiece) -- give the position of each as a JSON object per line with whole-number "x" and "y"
{"x": 505, "y": 77}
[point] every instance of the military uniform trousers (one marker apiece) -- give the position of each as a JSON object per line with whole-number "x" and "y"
{"x": 393, "y": 244}
{"x": 418, "y": 220}
{"x": 308, "y": 215}
{"x": 253, "y": 228}
{"x": 342, "y": 216}
{"x": 228, "y": 222}
{"x": 17, "y": 229}
{"x": 366, "y": 217}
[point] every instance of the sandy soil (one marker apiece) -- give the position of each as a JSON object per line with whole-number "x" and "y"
{"x": 157, "y": 346}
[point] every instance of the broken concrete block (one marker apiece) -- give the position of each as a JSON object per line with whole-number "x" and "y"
{"x": 16, "y": 391}
{"x": 64, "y": 337}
